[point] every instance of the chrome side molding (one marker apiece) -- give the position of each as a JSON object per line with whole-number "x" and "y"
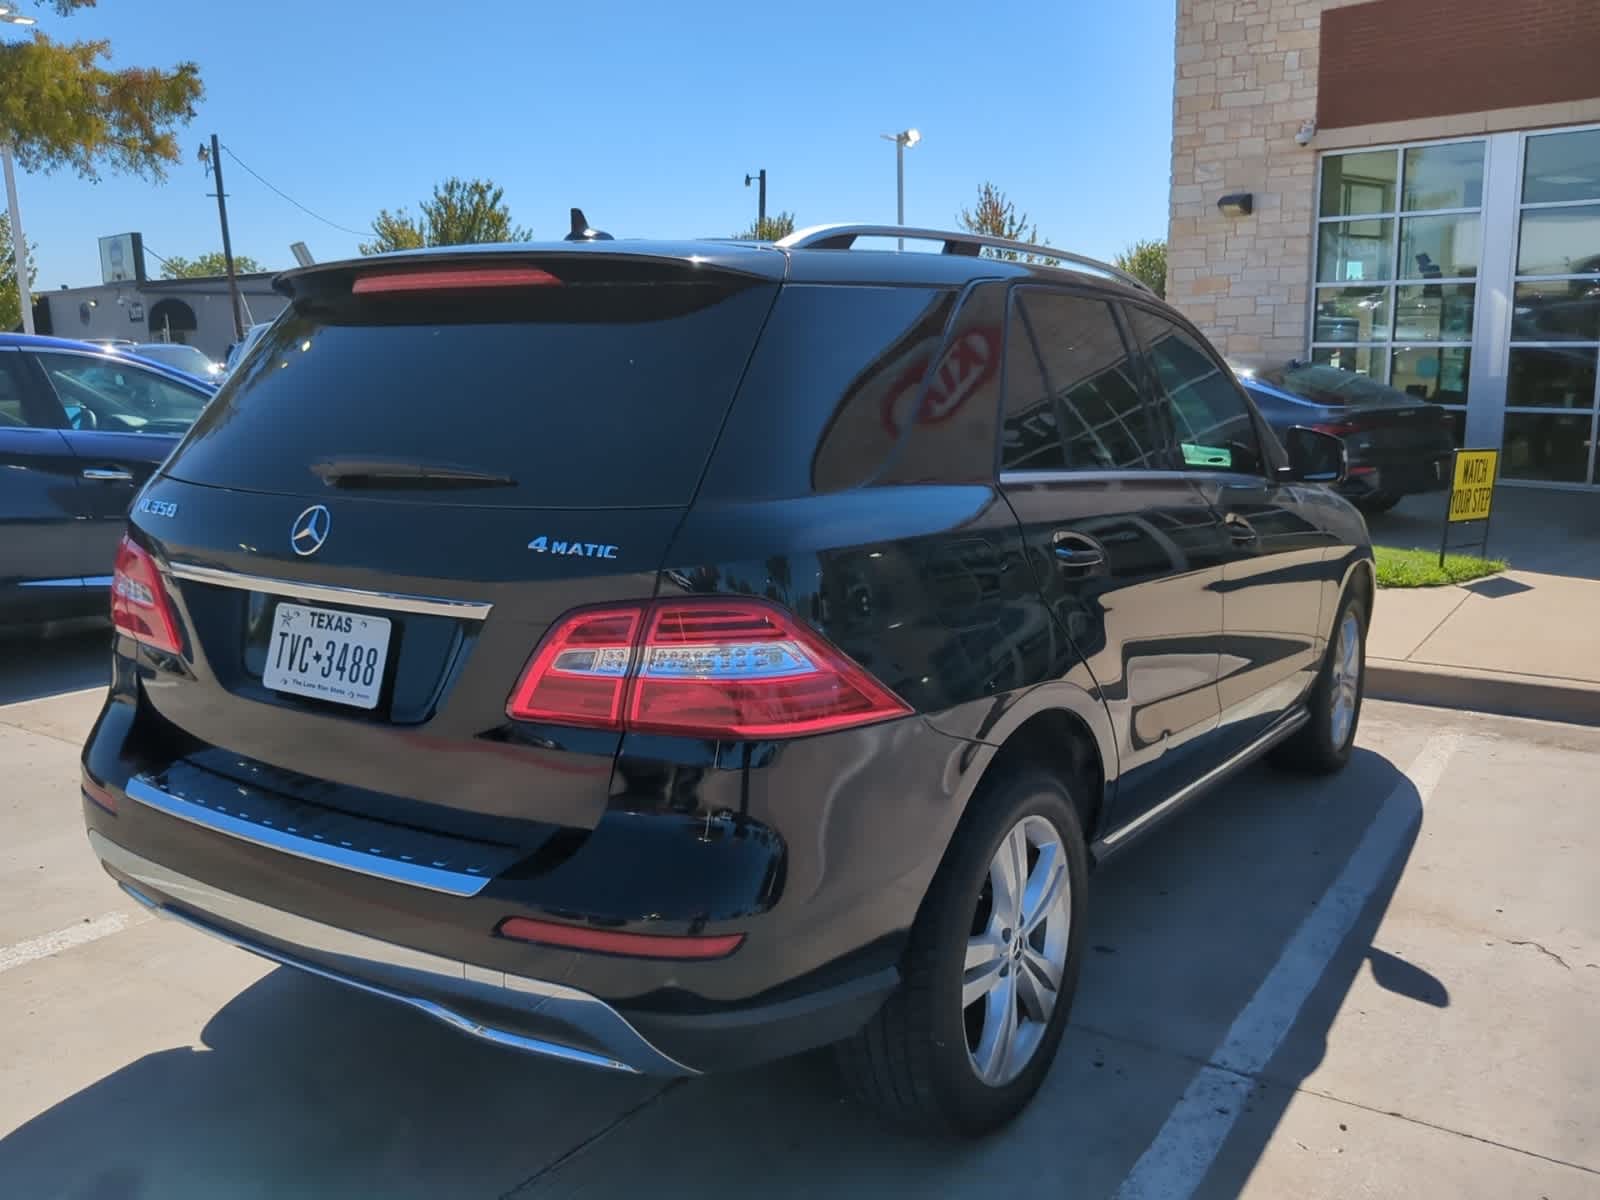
{"x": 433, "y": 606}
{"x": 1285, "y": 726}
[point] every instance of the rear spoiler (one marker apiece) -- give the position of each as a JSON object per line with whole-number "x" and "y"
{"x": 590, "y": 261}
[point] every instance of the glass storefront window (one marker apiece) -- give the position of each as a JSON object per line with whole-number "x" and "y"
{"x": 1434, "y": 312}
{"x": 1439, "y": 247}
{"x": 1556, "y": 310}
{"x": 1550, "y": 378}
{"x": 1559, "y": 241}
{"x": 1355, "y": 251}
{"x": 1437, "y": 373}
{"x": 1444, "y": 176}
{"x": 1363, "y": 360}
{"x": 1352, "y": 315}
{"x": 1353, "y": 184}
{"x": 1547, "y": 446}
{"x": 1562, "y": 166}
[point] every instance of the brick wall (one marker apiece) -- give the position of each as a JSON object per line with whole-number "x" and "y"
{"x": 1393, "y": 60}
{"x": 1246, "y": 80}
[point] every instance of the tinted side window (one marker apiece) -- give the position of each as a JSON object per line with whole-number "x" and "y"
{"x": 101, "y": 393}
{"x": 1209, "y": 416}
{"x": 1072, "y": 397}
{"x": 12, "y": 410}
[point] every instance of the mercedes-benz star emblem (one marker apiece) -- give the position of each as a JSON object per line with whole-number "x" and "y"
{"x": 310, "y": 530}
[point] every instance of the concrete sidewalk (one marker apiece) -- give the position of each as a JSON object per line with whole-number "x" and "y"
{"x": 1521, "y": 643}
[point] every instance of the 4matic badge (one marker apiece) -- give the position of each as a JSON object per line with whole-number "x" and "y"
{"x": 545, "y": 545}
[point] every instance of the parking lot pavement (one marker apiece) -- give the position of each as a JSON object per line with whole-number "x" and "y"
{"x": 1384, "y": 984}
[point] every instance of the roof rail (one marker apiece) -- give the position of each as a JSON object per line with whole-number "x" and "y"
{"x": 842, "y": 237}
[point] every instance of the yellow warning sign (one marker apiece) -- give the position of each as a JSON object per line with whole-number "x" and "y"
{"x": 1472, "y": 487}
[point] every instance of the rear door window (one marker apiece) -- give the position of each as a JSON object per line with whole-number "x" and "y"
{"x": 1073, "y": 400}
{"x": 576, "y": 396}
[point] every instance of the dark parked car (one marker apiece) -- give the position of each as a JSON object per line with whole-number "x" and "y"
{"x": 81, "y": 429}
{"x": 669, "y": 657}
{"x": 1397, "y": 444}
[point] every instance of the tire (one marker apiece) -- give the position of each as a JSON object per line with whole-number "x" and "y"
{"x": 1374, "y": 505}
{"x": 1323, "y": 743}
{"x": 918, "y": 1060}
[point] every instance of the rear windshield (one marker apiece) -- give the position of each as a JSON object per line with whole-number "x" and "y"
{"x": 1333, "y": 387}
{"x": 574, "y": 396}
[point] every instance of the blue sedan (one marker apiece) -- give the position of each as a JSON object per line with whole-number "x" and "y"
{"x": 81, "y": 429}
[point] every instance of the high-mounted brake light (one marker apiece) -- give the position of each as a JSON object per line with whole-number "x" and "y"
{"x": 139, "y": 604}
{"x": 698, "y": 667}
{"x": 452, "y": 280}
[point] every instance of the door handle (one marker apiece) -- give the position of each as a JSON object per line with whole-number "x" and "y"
{"x": 1240, "y": 530}
{"x": 1075, "y": 550}
{"x": 108, "y": 474}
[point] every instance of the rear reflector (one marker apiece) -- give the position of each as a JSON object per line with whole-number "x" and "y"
{"x": 139, "y": 604}
{"x": 1341, "y": 428}
{"x": 99, "y": 795}
{"x": 698, "y": 667}
{"x": 611, "y": 941}
{"x": 452, "y": 280}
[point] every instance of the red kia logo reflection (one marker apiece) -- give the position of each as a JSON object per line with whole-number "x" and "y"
{"x": 966, "y": 367}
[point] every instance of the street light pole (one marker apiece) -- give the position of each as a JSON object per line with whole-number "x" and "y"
{"x": 901, "y": 140}
{"x": 19, "y": 244}
{"x": 761, "y": 199}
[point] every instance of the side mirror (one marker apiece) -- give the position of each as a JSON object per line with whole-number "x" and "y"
{"x": 1314, "y": 456}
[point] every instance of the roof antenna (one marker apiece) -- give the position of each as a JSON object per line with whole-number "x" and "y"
{"x": 582, "y": 232}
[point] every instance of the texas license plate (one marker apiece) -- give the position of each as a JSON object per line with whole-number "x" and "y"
{"x": 327, "y": 654}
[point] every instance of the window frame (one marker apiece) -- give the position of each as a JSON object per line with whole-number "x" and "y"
{"x": 1153, "y": 430}
{"x": 1266, "y": 459}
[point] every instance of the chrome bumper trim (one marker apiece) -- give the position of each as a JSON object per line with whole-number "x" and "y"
{"x": 549, "y": 1003}
{"x": 433, "y": 606}
{"x": 437, "y": 878}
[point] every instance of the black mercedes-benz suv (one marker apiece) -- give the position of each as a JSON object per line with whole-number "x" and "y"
{"x": 669, "y": 657}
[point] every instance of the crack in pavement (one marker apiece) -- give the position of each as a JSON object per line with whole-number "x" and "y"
{"x": 561, "y": 1160}
{"x": 1541, "y": 949}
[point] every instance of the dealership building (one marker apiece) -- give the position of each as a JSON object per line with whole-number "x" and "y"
{"x": 1405, "y": 188}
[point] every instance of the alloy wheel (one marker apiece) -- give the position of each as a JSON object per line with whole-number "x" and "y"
{"x": 1017, "y": 950}
{"x": 1345, "y": 680}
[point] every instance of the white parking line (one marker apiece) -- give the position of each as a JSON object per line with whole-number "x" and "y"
{"x": 1176, "y": 1162}
{"x": 21, "y": 953}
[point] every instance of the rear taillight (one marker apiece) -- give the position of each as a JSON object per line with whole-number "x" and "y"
{"x": 139, "y": 604}
{"x": 708, "y": 668}
{"x": 451, "y": 279}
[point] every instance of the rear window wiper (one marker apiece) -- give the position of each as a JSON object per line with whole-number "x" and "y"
{"x": 404, "y": 473}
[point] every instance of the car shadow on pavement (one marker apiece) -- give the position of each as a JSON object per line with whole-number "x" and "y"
{"x": 33, "y": 666}
{"x": 303, "y": 1088}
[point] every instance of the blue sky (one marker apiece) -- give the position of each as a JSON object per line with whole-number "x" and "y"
{"x": 646, "y": 115}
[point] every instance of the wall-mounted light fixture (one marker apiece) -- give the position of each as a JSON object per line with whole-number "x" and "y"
{"x": 1237, "y": 204}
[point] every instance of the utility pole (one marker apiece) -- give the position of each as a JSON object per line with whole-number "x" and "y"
{"x": 19, "y": 244}
{"x": 227, "y": 242}
{"x": 761, "y": 202}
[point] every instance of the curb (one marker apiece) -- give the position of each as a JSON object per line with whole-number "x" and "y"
{"x": 1544, "y": 699}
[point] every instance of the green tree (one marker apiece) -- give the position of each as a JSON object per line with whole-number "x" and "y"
{"x": 460, "y": 212}
{"x": 209, "y": 263}
{"x": 995, "y": 215}
{"x": 10, "y": 309}
{"x": 61, "y": 105}
{"x": 771, "y": 229}
{"x": 1146, "y": 261}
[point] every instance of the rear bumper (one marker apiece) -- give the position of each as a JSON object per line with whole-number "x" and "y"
{"x": 1428, "y": 472}
{"x": 538, "y": 1017}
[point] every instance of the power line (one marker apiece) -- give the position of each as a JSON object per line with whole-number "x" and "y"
{"x": 293, "y": 201}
